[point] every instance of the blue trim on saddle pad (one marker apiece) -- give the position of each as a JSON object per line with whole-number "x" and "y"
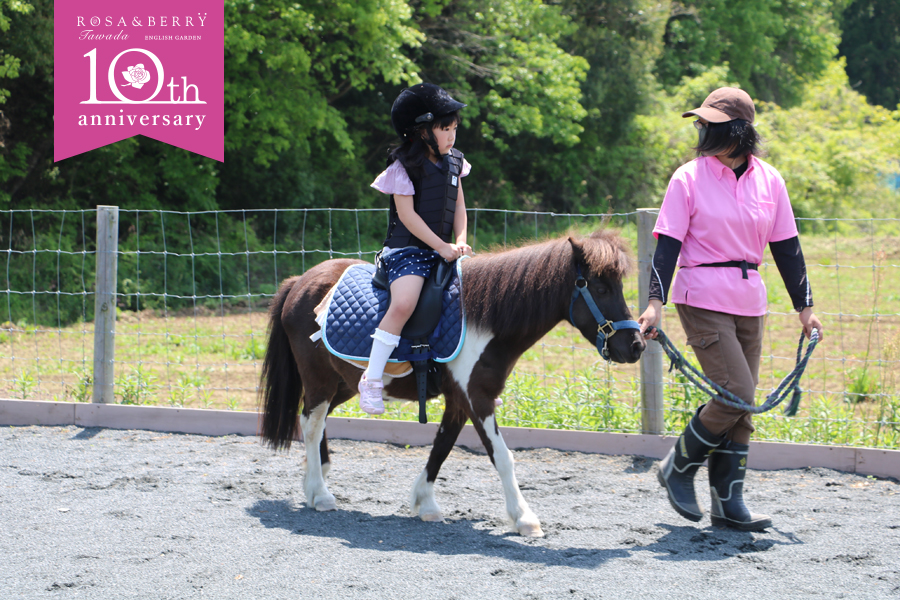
{"x": 357, "y": 307}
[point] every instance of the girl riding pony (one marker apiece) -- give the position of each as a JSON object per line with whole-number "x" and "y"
{"x": 427, "y": 221}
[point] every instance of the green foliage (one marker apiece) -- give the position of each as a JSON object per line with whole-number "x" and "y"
{"x": 863, "y": 385}
{"x": 287, "y": 63}
{"x": 834, "y": 150}
{"x": 186, "y": 387}
{"x": 582, "y": 401}
{"x": 503, "y": 58}
{"x": 254, "y": 349}
{"x": 138, "y": 172}
{"x": 871, "y": 44}
{"x": 573, "y": 106}
{"x": 137, "y": 387}
{"x": 617, "y": 165}
{"x": 790, "y": 41}
{"x": 9, "y": 64}
{"x": 25, "y": 384}
{"x": 17, "y": 59}
{"x": 83, "y": 388}
{"x": 46, "y": 256}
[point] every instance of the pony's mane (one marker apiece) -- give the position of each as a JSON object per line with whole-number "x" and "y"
{"x": 511, "y": 290}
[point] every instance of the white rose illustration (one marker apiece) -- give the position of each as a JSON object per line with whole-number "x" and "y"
{"x": 137, "y": 76}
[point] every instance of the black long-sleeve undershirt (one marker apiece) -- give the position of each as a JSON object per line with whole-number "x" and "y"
{"x": 787, "y": 254}
{"x": 788, "y": 257}
{"x": 663, "y": 266}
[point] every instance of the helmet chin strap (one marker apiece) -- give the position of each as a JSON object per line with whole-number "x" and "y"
{"x": 432, "y": 142}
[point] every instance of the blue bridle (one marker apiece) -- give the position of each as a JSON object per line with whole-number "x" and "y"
{"x": 605, "y": 328}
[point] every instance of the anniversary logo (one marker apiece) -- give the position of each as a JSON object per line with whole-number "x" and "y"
{"x": 156, "y": 70}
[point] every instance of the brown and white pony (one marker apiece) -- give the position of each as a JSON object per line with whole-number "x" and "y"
{"x": 512, "y": 299}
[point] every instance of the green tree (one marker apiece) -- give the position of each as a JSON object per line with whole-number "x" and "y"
{"x": 9, "y": 64}
{"x": 615, "y": 167}
{"x": 505, "y": 59}
{"x": 138, "y": 172}
{"x": 871, "y": 43}
{"x": 13, "y": 156}
{"x": 287, "y": 63}
{"x": 300, "y": 79}
{"x": 835, "y": 150}
{"x": 771, "y": 46}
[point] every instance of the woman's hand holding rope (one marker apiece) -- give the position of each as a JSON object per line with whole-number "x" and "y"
{"x": 810, "y": 321}
{"x": 650, "y": 318}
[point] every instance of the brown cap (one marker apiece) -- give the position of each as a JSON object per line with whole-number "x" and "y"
{"x": 725, "y": 104}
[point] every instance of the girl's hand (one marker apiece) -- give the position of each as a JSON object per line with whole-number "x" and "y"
{"x": 464, "y": 249}
{"x": 810, "y": 321}
{"x": 449, "y": 252}
{"x": 650, "y": 319}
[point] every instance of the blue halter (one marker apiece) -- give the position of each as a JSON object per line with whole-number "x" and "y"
{"x": 605, "y": 328}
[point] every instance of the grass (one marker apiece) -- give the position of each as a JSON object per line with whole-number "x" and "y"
{"x": 206, "y": 360}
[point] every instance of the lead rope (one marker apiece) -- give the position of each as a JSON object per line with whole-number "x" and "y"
{"x": 790, "y": 384}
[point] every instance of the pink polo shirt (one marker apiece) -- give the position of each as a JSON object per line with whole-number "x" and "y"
{"x": 719, "y": 218}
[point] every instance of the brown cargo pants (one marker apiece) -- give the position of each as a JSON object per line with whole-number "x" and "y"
{"x": 728, "y": 348}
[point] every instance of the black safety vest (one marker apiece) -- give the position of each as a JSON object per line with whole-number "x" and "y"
{"x": 434, "y": 201}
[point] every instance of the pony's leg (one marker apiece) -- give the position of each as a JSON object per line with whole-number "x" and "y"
{"x": 323, "y": 455}
{"x": 422, "y": 500}
{"x": 317, "y": 494}
{"x": 343, "y": 394}
{"x": 520, "y": 516}
{"x": 480, "y": 371}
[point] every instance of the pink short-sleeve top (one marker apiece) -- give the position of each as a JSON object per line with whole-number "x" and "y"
{"x": 717, "y": 218}
{"x": 394, "y": 179}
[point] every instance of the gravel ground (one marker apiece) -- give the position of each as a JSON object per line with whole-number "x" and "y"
{"x": 99, "y": 513}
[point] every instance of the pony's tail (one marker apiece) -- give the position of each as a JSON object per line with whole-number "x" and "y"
{"x": 280, "y": 386}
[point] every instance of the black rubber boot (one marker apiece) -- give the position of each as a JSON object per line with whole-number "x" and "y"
{"x": 677, "y": 469}
{"x": 727, "y": 467}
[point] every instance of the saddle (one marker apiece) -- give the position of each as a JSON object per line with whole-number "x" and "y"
{"x": 428, "y": 310}
{"x": 434, "y": 333}
{"x": 420, "y": 326}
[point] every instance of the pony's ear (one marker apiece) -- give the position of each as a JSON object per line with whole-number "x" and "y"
{"x": 577, "y": 250}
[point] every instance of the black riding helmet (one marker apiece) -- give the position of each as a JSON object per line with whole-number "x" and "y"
{"x": 421, "y": 104}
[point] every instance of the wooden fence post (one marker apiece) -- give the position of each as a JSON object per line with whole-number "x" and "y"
{"x": 105, "y": 303}
{"x": 652, "y": 413}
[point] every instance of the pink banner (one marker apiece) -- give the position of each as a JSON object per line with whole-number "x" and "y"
{"x": 150, "y": 68}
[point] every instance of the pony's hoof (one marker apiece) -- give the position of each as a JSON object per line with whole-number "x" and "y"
{"x": 326, "y": 504}
{"x": 529, "y": 529}
{"x": 432, "y": 517}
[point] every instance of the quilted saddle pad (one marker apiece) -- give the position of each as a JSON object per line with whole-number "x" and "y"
{"x": 357, "y": 307}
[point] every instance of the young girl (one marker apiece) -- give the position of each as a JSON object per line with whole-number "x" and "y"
{"x": 424, "y": 179}
{"x": 719, "y": 213}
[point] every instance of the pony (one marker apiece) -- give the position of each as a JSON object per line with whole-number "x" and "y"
{"x": 512, "y": 298}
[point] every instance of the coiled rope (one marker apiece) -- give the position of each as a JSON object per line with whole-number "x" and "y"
{"x": 789, "y": 385}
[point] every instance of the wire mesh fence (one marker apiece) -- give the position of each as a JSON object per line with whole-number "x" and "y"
{"x": 193, "y": 289}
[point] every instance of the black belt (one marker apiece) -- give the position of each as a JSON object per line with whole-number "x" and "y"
{"x": 743, "y": 264}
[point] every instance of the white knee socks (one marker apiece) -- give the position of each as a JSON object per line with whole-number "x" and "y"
{"x": 383, "y": 345}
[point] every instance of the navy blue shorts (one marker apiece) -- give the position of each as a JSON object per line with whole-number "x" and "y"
{"x": 409, "y": 261}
